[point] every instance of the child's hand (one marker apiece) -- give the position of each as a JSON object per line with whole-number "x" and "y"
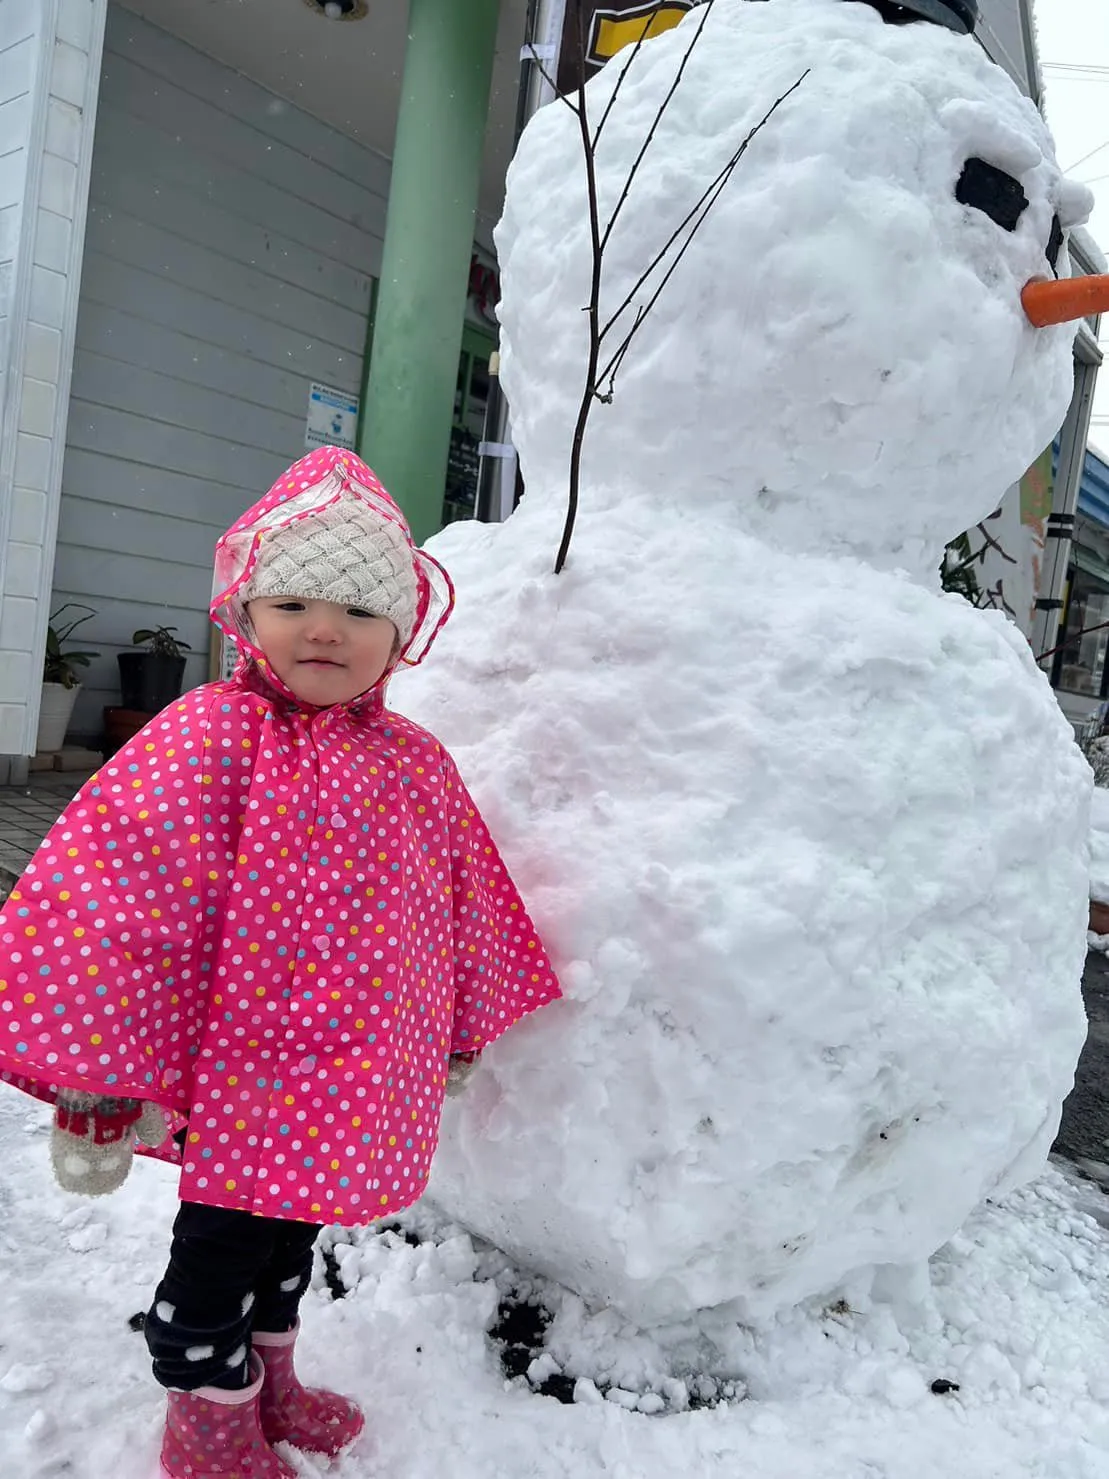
{"x": 92, "y": 1142}
{"x": 459, "y": 1069}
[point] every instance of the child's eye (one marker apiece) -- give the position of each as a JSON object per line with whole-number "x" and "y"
{"x": 290, "y": 606}
{"x": 358, "y": 611}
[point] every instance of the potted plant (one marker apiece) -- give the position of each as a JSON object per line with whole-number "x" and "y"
{"x": 151, "y": 679}
{"x": 60, "y": 680}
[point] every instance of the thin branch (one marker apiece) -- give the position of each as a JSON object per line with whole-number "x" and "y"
{"x": 1073, "y": 637}
{"x": 697, "y": 216}
{"x": 992, "y": 543}
{"x": 606, "y": 396}
{"x": 997, "y": 601}
{"x": 593, "y": 310}
{"x": 703, "y": 206}
{"x": 713, "y": 190}
{"x": 628, "y": 63}
{"x": 549, "y": 80}
{"x": 609, "y": 372}
{"x": 657, "y": 119}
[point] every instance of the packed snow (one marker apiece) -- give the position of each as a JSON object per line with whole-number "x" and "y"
{"x": 1016, "y": 1315}
{"x": 805, "y": 837}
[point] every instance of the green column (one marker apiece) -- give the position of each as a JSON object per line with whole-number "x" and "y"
{"x": 429, "y": 233}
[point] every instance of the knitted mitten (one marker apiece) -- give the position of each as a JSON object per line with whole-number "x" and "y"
{"x": 93, "y": 1139}
{"x": 459, "y": 1069}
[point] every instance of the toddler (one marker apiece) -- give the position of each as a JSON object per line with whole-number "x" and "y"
{"x": 276, "y": 925}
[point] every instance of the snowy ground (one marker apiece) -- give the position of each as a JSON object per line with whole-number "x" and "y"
{"x": 1017, "y": 1314}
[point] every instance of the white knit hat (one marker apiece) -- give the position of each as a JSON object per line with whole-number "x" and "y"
{"x": 343, "y": 554}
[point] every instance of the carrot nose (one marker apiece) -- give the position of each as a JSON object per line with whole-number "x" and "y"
{"x": 1049, "y": 302}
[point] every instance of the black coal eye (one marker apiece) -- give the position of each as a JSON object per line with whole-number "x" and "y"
{"x": 990, "y": 190}
{"x": 1055, "y": 243}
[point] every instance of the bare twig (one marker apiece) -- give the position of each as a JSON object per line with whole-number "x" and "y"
{"x": 628, "y": 62}
{"x": 550, "y": 81}
{"x": 598, "y": 240}
{"x": 606, "y": 396}
{"x": 996, "y": 601}
{"x": 593, "y": 309}
{"x": 1072, "y": 637}
{"x": 706, "y": 8}
{"x": 697, "y": 216}
{"x": 991, "y": 543}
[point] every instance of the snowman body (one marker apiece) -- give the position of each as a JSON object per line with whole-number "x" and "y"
{"x": 805, "y": 836}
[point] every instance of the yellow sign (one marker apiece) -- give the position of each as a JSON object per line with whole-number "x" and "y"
{"x": 612, "y": 32}
{"x": 607, "y": 29}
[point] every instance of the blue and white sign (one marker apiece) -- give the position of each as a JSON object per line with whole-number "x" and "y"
{"x": 332, "y": 418}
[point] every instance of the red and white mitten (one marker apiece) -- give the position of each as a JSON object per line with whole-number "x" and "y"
{"x": 459, "y": 1070}
{"x": 92, "y": 1142}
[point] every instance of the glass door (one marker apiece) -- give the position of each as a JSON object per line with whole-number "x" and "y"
{"x": 471, "y": 399}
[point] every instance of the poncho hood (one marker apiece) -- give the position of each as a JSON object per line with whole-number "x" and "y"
{"x": 322, "y": 479}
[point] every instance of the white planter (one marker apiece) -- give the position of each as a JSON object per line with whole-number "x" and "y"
{"x": 54, "y": 715}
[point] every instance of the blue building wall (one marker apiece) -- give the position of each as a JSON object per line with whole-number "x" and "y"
{"x": 1093, "y": 492}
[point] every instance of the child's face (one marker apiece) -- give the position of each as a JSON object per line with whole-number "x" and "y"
{"x": 324, "y": 653}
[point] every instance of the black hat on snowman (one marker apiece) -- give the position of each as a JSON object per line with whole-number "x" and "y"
{"x": 957, "y": 15}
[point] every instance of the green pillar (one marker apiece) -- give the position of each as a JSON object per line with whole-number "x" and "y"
{"x": 429, "y": 233}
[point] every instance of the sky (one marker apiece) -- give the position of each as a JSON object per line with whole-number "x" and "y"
{"x": 1073, "y": 39}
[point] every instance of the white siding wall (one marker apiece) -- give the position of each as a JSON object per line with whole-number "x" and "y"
{"x": 232, "y": 241}
{"x": 49, "y": 63}
{"x": 1005, "y": 30}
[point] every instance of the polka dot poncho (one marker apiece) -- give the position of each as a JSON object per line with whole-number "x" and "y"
{"x": 278, "y": 923}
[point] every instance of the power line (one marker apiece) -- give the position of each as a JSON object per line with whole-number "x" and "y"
{"x": 1076, "y": 66}
{"x": 1076, "y": 72}
{"x": 1078, "y": 163}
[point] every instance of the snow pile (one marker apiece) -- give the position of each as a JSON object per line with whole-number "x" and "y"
{"x": 805, "y": 837}
{"x": 1017, "y": 1316}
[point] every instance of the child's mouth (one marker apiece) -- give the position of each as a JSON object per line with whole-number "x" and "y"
{"x": 319, "y": 662}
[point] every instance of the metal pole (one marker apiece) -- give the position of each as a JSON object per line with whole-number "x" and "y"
{"x": 1060, "y": 524}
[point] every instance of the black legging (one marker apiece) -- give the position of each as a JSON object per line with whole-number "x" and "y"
{"x": 229, "y": 1273}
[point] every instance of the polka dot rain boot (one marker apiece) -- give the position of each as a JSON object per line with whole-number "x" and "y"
{"x": 306, "y": 1417}
{"x": 216, "y": 1434}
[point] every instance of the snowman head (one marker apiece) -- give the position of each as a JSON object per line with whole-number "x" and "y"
{"x": 840, "y": 363}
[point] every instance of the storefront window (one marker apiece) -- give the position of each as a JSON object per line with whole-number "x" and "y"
{"x": 1082, "y": 665}
{"x": 471, "y": 398}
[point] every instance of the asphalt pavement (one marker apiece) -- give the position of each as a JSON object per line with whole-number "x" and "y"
{"x": 1084, "y": 1132}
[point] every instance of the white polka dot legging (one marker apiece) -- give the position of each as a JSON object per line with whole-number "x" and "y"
{"x": 229, "y": 1273}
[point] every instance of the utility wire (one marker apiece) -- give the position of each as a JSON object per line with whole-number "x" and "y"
{"x": 1085, "y": 68}
{"x": 1078, "y": 74}
{"x": 1078, "y": 163}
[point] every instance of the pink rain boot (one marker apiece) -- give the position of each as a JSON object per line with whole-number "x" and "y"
{"x": 215, "y": 1434}
{"x": 306, "y": 1417}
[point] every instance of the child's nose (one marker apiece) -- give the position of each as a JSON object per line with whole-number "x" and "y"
{"x": 323, "y": 628}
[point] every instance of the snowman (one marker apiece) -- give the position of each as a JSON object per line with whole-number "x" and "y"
{"x": 805, "y": 834}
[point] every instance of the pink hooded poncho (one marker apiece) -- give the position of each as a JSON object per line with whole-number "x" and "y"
{"x": 276, "y": 921}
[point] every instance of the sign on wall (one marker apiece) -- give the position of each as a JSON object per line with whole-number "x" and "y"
{"x": 1004, "y": 29}
{"x": 332, "y": 418}
{"x": 607, "y": 26}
